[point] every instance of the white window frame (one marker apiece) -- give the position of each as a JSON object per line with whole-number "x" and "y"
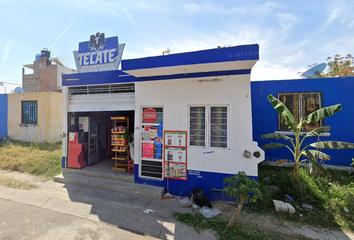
{"x": 208, "y": 126}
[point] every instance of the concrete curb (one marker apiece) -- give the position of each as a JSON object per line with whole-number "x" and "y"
{"x": 152, "y": 192}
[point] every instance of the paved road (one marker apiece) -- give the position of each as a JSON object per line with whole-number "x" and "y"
{"x": 22, "y": 221}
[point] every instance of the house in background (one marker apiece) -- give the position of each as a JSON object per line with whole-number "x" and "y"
{"x": 35, "y": 113}
{"x": 45, "y": 74}
{"x": 35, "y": 116}
{"x": 303, "y": 96}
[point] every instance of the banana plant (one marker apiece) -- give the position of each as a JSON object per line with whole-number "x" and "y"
{"x": 310, "y": 152}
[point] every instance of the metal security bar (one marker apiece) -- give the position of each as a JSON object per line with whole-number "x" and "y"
{"x": 218, "y": 128}
{"x": 197, "y": 126}
{"x": 102, "y": 89}
{"x": 29, "y": 112}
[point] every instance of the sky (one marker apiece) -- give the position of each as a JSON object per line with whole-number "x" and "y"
{"x": 291, "y": 34}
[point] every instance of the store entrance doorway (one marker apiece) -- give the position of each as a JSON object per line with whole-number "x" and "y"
{"x": 93, "y": 140}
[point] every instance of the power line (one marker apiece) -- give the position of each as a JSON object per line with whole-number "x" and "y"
{"x": 2, "y": 83}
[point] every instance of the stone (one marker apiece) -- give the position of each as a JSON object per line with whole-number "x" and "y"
{"x": 272, "y": 189}
{"x": 267, "y": 180}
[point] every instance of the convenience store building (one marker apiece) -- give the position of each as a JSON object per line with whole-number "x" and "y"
{"x": 188, "y": 115}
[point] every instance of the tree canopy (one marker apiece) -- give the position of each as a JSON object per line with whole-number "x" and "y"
{"x": 337, "y": 66}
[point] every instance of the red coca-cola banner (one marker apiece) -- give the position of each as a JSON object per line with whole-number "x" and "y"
{"x": 150, "y": 115}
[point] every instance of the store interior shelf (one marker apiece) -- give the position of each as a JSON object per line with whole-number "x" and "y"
{"x": 119, "y": 158}
{"x": 120, "y": 132}
{"x": 116, "y": 150}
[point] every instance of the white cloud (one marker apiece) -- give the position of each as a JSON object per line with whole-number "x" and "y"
{"x": 6, "y": 52}
{"x": 266, "y": 71}
{"x": 192, "y": 7}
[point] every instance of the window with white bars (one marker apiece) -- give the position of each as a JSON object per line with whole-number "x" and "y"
{"x": 29, "y": 112}
{"x": 208, "y": 126}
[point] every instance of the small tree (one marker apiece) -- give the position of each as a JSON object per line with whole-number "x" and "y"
{"x": 338, "y": 66}
{"x": 242, "y": 189}
{"x": 297, "y": 140}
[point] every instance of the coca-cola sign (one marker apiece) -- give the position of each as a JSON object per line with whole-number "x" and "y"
{"x": 149, "y": 115}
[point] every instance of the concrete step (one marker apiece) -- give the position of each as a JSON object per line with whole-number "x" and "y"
{"x": 118, "y": 176}
{"x": 152, "y": 192}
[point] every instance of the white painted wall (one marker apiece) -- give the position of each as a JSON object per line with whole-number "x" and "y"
{"x": 176, "y": 95}
{"x": 64, "y": 140}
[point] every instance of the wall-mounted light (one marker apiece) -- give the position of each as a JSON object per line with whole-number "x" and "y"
{"x": 247, "y": 154}
{"x": 257, "y": 154}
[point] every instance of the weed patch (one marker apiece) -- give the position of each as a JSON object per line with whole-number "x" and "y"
{"x": 41, "y": 159}
{"x": 332, "y": 199}
{"x": 237, "y": 231}
{"x": 13, "y": 183}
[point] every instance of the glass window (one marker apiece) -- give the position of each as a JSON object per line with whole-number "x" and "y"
{"x": 218, "y": 127}
{"x": 197, "y": 126}
{"x": 29, "y": 112}
{"x": 301, "y": 105}
{"x": 208, "y": 126}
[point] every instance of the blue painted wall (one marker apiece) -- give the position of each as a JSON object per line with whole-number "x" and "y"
{"x": 334, "y": 91}
{"x": 3, "y": 115}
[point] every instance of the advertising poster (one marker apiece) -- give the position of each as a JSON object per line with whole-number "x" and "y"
{"x": 175, "y": 154}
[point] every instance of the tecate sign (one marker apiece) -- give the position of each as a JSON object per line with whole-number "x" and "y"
{"x": 99, "y": 54}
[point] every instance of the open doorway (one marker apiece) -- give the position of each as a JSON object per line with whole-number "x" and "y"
{"x": 92, "y": 144}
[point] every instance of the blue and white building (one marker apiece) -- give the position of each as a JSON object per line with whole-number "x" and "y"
{"x": 202, "y": 98}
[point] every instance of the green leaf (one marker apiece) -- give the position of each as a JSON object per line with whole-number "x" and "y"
{"x": 323, "y": 113}
{"x": 316, "y": 132}
{"x": 314, "y": 154}
{"x": 273, "y": 145}
{"x": 282, "y": 110}
{"x": 276, "y": 136}
{"x": 319, "y": 166}
{"x": 332, "y": 145}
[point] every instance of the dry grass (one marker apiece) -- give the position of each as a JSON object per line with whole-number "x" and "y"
{"x": 14, "y": 183}
{"x": 41, "y": 159}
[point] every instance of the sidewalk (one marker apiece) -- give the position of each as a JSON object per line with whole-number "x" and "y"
{"x": 122, "y": 210}
{"x": 126, "y": 211}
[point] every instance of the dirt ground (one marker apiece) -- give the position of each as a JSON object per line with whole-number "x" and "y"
{"x": 253, "y": 218}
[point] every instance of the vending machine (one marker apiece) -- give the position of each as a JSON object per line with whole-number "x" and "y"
{"x": 77, "y": 150}
{"x": 90, "y": 126}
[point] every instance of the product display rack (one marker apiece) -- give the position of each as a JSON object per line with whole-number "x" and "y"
{"x": 119, "y": 143}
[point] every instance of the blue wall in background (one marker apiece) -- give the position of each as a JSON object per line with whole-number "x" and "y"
{"x": 334, "y": 91}
{"x": 3, "y": 115}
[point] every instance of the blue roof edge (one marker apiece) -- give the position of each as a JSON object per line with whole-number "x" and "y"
{"x": 224, "y": 54}
{"x": 104, "y": 77}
